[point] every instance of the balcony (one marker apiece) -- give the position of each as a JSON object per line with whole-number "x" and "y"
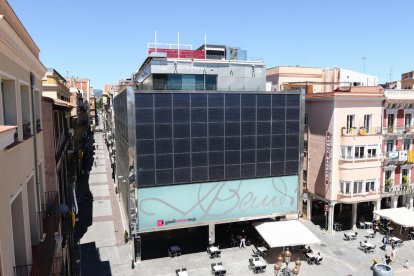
{"x": 361, "y": 131}
{"x": 8, "y": 135}
{"x": 398, "y": 189}
{"x": 48, "y": 221}
{"x": 398, "y": 130}
{"x": 398, "y": 157}
{"x": 38, "y": 126}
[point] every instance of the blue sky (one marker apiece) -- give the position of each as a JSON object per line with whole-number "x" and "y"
{"x": 106, "y": 40}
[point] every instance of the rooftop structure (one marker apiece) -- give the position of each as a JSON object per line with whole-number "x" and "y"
{"x": 210, "y": 67}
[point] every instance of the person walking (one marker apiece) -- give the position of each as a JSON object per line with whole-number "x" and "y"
{"x": 393, "y": 254}
{"x": 385, "y": 242}
{"x": 242, "y": 240}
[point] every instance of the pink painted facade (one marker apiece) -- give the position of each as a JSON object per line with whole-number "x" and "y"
{"x": 400, "y": 103}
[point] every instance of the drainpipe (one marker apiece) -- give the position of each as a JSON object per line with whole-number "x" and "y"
{"x": 32, "y": 90}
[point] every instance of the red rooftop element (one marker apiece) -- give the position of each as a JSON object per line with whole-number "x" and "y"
{"x": 173, "y": 53}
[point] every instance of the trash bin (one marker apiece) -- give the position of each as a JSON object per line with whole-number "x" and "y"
{"x": 382, "y": 270}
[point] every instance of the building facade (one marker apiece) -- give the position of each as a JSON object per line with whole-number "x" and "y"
{"x": 398, "y": 133}
{"x": 316, "y": 79}
{"x": 407, "y": 80}
{"x": 60, "y": 174}
{"x": 21, "y": 148}
{"x": 191, "y": 158}
{"x": 343, "y": 160}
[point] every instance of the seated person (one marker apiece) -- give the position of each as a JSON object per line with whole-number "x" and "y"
{"x": 362, "y": 220}
{"x": 387, "y": 259}
{"x": 318, "y": 257}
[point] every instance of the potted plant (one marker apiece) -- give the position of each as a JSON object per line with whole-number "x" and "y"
{"x": 126, "y": 236}
{"x": 405, "y": 180}
{"x": 388, "y": 184}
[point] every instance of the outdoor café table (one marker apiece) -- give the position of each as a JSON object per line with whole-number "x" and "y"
{"x": 262, "y": 249}
{"x": 350, "y": 235}
{"x": 213, "y": 249}
{"x": 395, "y": 240}
{"x": 370, "y": 233}
{"x": 257, "y": 263}
{"x": 218, "y": 268}
{"x": 368, "y": 224}
{"x": 367, "y": 245}
{"x": 310, "y": 255}
{"x": 182, "y": 273}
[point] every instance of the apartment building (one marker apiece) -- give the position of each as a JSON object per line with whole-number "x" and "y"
{"x": 343, "y": 161}
{"x": 407, "y": 80}
{"x": 295, "y": 77}
{"x": 398, "y": 133}
{"x": 60, "y": 171}
{"x": 22, "y": 176}
{"x": 201, "y": 146}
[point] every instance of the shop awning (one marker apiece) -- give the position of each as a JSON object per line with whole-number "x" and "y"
{"x": 285, "y": 233}
{"x": 401, "y": 216}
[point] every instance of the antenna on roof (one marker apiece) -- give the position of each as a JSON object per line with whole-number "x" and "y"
{"x": 364, "y": 59}
{"x": 390, "y": 73}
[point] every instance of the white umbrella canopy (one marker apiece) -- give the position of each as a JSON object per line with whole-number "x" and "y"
{"x": 285, "y": 233}
{"x": 401, "y": 216}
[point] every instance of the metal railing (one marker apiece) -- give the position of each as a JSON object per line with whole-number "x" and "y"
{"x": 397, "y": 130}
{"x": 361, "y": 131}
{"x": 23, "y": 270}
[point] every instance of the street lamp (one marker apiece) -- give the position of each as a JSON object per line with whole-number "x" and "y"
{"x": 286, "y": 259}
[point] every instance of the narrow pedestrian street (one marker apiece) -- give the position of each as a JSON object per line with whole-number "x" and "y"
{"x": 100, "y": 226}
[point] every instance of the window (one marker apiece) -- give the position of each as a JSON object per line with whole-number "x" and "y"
{"x": 346, "y": 187}
{"x": 372, "y": 151}
{"x": 358, "y": 187}
{"x": 406, "y": 145}
{"x": 388, "y": 174}
{"x": 346, "y": 152}
{"x": 390, "y": 121}
{"x": 350, "y": 121}
{"x": 306, "y": 119}
{"x": 305, "y": 145}
{"x": 367, "y": 122}
{"x": 370, "y": 186}
{"x": 405, "y": 176}
{"x": 407, "y": 120}
{"x": 390, "y": 145}
{"x": 359, "y": 152}
{"x": 305, "y": 175}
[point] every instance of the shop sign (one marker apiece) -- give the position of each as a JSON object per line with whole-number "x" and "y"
{"x": 393, "y": 155}
{"x": 403, "y": 155}
{"x": 328, "y": 158}
{"x": 169, "y": 206}
{"x": 410, "y": 156}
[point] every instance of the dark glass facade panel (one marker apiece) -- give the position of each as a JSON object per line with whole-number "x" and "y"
{"x": 163, "y": 146}
{"x": 144, "y": 100}
{"x": 201, "y": 137}
{"x": 146, "y": 146}
{"x": 232, "y": 171}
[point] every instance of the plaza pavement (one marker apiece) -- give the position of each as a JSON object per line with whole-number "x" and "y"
{"x": 103, "y": 251}
{"x": 340, "y": 257}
